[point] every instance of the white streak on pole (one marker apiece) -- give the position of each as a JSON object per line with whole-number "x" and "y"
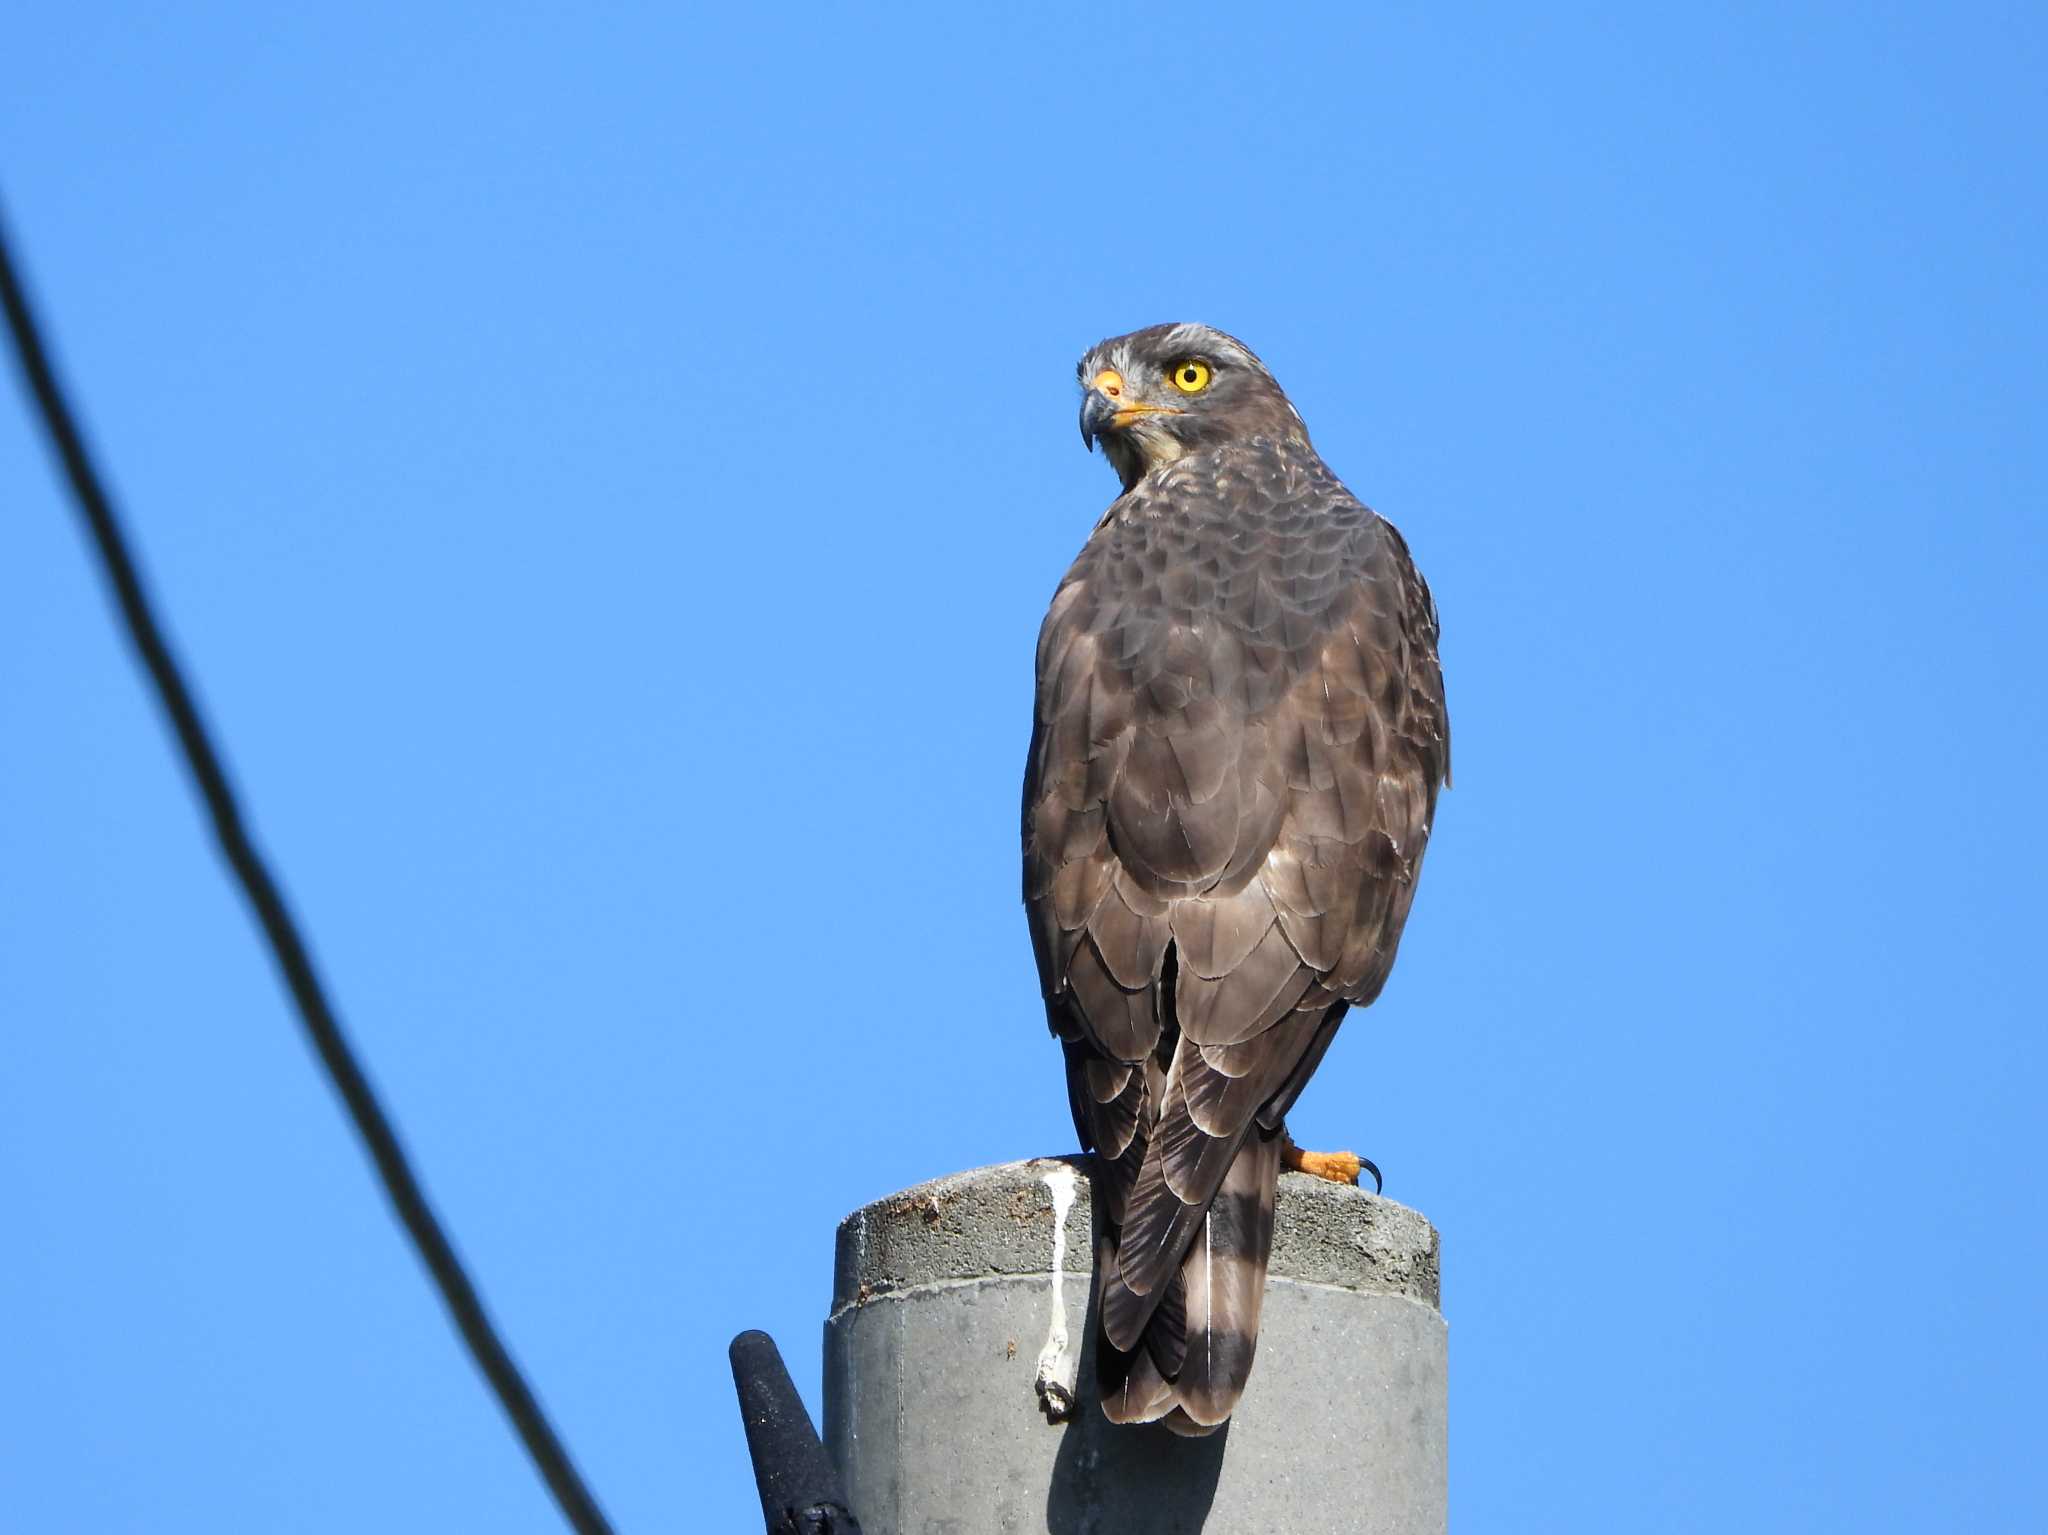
{"x": 1054, "y": 1382}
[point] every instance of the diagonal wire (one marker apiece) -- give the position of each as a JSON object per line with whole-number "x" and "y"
{"x": 286, "y": 945}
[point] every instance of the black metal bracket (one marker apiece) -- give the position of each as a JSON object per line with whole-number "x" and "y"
{"x": 799, "y": 1488}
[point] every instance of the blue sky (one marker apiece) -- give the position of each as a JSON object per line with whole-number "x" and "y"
{"x": 606, "y": 471}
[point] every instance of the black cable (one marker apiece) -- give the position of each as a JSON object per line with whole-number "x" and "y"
{"x": 286, "y": 946}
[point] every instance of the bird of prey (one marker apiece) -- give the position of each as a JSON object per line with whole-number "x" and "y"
{"x": 1239, "y": 738}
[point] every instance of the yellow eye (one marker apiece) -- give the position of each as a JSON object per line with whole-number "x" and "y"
{"x": 1190, "y": 377}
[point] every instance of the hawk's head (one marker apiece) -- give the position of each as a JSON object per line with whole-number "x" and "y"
{"x": 1166, "y": 391}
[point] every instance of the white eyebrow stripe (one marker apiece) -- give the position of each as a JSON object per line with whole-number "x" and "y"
{"x": 1186, "y": 337}
{"x": 1190, "y": 337}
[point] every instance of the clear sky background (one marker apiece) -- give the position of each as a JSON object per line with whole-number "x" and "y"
{"x": 606, "y": 469}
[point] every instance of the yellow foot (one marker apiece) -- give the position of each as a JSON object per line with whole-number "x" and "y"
{"x": 1337, "y": 1166}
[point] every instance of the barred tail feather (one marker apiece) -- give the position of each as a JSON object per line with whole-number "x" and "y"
{"x": 1225, "y": 1277}
{"x": 1190, "y": 1364}
{"x": 1132, "y": 1387}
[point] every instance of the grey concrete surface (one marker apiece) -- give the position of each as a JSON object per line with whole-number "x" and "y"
{"x": 959, "y": 1372}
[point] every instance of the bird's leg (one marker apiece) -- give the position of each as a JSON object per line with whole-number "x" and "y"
{"x": 1337, "y": 1166}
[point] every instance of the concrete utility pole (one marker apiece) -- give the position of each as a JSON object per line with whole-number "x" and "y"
{"x": 961, "y": 1324}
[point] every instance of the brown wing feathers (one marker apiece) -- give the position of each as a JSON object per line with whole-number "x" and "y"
{"x": 1237, "y": 749}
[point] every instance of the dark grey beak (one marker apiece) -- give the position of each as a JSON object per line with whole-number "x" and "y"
{"x": 1096, "y": 409}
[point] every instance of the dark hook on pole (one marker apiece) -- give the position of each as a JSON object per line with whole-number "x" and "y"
{"x": 799, "y": 1488}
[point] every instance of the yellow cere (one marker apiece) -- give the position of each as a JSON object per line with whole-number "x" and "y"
{"x": 1110, "y": 382}
{"x": 1190, "y": 377}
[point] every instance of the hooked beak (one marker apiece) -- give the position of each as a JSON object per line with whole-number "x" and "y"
{"x": 1108, "y": 405}
{"x": 1097, "y": 411}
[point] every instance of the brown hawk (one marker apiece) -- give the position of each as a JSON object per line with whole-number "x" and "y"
{"x": 1239, "y": 738}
